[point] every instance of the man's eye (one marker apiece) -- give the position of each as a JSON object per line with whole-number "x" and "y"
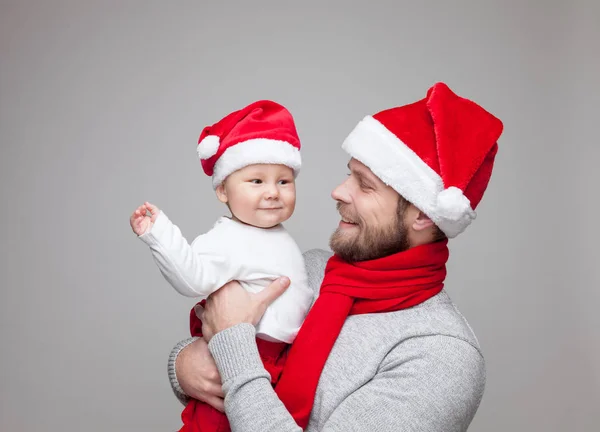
{"x": 256, "y": 181}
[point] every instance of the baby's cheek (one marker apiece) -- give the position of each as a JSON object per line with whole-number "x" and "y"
{"x": 291, "y": 195}
{"x": 291, "y": 204}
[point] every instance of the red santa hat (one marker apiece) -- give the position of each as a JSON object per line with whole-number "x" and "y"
{"x": 261, "y": 133}
{"x": 438, "y": 153}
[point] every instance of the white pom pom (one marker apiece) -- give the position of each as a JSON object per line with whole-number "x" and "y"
{"x": 454, "y": 212}
{"x": 452, "y": 204}
{"x": 208, "y": 147}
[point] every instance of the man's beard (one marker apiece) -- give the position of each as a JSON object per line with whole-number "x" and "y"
{"x": 371, "y": 242}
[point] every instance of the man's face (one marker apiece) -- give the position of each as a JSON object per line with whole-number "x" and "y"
{"x": 372, "y": 224}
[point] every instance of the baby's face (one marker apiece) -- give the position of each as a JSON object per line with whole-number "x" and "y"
{"x": 262, "y": 195}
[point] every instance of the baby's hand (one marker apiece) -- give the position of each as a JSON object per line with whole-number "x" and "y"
{"x": 140, "y": 221}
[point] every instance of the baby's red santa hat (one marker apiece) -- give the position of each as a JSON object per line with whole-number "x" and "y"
{"x": 438, "y": 153}
{"x": 261, "y": 133}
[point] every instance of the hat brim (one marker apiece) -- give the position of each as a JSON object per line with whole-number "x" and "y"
{"x": 256, "y": 151}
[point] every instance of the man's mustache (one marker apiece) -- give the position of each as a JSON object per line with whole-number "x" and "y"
{"x": 345, "y": 214}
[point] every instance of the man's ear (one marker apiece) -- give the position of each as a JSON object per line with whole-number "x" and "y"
{"x": 221, "y": 193}
{"x": 422, "y": 222}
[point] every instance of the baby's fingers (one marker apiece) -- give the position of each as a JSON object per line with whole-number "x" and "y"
{"x": 151, "y": 208}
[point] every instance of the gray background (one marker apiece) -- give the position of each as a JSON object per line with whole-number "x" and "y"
{"x": 101, "y": 106}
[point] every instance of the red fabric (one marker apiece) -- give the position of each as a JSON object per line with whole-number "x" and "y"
{"x": 454, "y": 136}
{"x": 262, "y": 119}
{"x": 388, "y": 284}
{"x": 200, "y": 417}
{"x": 466, "y": 135}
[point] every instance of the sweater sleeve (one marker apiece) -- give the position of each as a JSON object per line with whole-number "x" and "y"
{"x": 251, "y": 404}
{"x": 177, "y": 390}
{"x": 430, "y": 383}
{"x": 192, "y": 272}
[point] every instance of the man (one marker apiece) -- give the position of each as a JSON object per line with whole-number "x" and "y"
{"x": 383, "y": 347}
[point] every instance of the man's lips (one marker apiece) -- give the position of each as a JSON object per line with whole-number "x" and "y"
{"x": 345, "y": 222}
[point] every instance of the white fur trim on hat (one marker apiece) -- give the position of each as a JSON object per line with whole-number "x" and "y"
{"x": 401, "y": 168}
{"x": 208, "y": 147}
{"x": 256, "y": 151}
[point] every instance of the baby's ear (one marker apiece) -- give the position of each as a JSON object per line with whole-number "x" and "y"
{"x": 221, "y": 193}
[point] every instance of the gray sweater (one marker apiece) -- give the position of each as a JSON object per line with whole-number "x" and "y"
{"x": 418, "y": 369}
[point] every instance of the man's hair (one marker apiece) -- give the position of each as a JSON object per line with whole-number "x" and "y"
{"x": 438, "y": 234}
{"x": 403, "y": 204}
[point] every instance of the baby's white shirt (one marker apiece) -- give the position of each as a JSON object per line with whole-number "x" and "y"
{"x": 230, "y": 251}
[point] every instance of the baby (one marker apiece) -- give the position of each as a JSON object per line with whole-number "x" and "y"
{"x": 253, "y": 156}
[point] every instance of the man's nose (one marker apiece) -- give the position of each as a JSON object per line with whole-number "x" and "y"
{"x": 340, "y": 193}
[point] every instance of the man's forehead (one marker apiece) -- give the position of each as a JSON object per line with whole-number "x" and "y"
{"x": 360, "y": 168}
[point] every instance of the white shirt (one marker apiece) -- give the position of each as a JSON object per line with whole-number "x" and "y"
{"x": 235, "y": 251}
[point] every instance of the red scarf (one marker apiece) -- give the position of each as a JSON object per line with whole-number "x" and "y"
{"x": 388, "y": 284}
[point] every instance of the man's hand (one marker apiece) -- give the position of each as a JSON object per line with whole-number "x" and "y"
{"x": 232, "y": 305}
{"x": 140, "y": 221}
{"x": 198, "y": 375}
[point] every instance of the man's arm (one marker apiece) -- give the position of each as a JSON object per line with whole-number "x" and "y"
{"x": 432, "y": 383}
{"x": 177, "y": 390}
{"x": 193, "y": 373}
{"x": 251, "y": 404}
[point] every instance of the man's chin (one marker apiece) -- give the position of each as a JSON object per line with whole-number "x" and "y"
{"x": 341, "y": 241}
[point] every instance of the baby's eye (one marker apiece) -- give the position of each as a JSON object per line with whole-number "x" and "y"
{"x": 283, "y": 182}
{"x": 256, "y": 181}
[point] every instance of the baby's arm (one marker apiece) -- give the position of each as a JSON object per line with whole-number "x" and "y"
{"x": 190, "y": 272}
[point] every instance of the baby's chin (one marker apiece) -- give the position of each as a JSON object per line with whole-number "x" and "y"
{"x": 270, "y": 222}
